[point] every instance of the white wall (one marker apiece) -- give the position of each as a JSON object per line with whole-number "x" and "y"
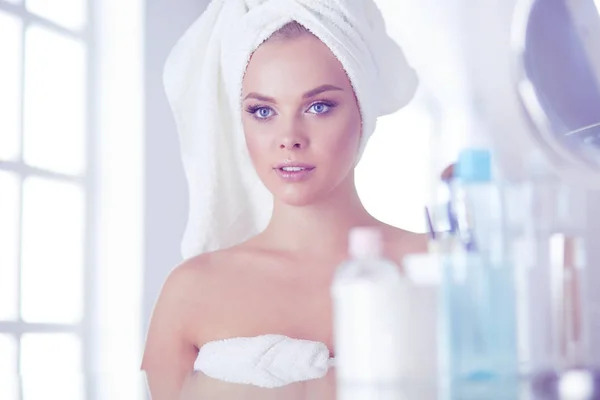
{"x": 166, "y": 191}
{"x": 118, "y": 226}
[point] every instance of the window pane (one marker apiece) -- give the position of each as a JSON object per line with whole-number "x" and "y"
{"x": 9, "y": 227}
{"x": 8, "y": 350}
{"x": 51, "y": 367}
{"x": 10, "y": 86}
{"x": 53, "y": 385}
{"x": 8, "y": 367}
{"x": 54, "y": 110}
{"x": 68, "y": 13}
{"x": 52, "y": 252}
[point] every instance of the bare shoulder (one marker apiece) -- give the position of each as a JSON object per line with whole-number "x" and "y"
{"x": 195, "y": 281}
{"x": 201, "y": 287}
{"x": 191, "y": 273}
{"x": 399, "y": 242}
{"x": 205, "y": 269}
{"x": 209, "y": 269}
{"x": 182, "y": 296}
{"x": 414, "y": 242}
{"x": 189, "y": 282}
{"x": 188, "y": 309}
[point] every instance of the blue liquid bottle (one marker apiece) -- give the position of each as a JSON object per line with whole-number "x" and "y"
{"x": 478, "y": 341}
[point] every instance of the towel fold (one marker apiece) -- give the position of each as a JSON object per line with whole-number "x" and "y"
{"x": 267, "y": 361}
{"x": 203, "y": 80}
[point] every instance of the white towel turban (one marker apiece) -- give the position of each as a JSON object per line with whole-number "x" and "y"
{"x": 203, "y": 80}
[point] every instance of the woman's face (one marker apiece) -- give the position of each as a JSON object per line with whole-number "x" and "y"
{"x": 301, "y": 119}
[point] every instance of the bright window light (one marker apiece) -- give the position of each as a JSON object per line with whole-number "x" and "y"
{"x": 55, "y": 102}
{"x": 9, "y": 232}
{"x": 52, "y": 252}
{"x": 10, "y": 84}
{"x": 70, "y": 14}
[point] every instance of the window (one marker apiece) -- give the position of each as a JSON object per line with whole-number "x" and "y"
{"x": 45, "y": 197}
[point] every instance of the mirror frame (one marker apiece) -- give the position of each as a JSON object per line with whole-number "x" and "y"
{"x": 565, "y": 162}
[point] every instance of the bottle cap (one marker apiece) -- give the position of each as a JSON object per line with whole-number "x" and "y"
{"x": 365, "y": 242}
{"x": 474, "y": 165}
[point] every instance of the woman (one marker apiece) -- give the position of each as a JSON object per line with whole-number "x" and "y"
{"x": 306, "y": 116}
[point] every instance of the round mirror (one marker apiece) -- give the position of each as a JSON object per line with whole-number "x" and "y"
{"x": 557, "y": 47}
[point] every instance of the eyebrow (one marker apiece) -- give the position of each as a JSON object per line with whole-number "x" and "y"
{"x": 311, "y": 93}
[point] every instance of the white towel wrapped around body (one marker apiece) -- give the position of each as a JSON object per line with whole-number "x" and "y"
{"x": 203, "y": 80}
{"x": 267, "y": 361}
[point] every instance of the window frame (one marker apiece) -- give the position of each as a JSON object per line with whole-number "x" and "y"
{"x": 86, "y": 182}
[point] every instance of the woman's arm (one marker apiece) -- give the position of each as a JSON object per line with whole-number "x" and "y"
{"x": 170, "y": 352}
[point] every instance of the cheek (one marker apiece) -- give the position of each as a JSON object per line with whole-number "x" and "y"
{"x": 344, "y": 139}
{"x": 254, "y": 141}
{"x": 259, "y": 144}
{"x": 256, "y": 150}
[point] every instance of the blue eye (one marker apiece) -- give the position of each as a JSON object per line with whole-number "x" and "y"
{"x": 320, "y": 108}
{"x": 263, "y": 112}
{"x": 260, "y": 112}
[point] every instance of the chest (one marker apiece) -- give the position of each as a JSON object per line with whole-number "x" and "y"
{"x": 300, "y": 308}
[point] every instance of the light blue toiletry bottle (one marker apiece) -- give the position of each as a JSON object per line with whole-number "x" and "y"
{"x": 478, "y": 342}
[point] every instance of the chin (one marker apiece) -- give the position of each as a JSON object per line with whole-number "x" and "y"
{"x": 297, "y": 197}
{"x": 296, "y": 200}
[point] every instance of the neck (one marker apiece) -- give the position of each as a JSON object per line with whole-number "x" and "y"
{"x": 325, "y": 222}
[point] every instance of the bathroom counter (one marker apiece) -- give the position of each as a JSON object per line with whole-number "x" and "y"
{"x": 200, "y": 387}
{"x": 117, "y": 386}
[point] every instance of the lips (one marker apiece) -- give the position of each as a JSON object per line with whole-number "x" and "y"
{"x": 294, "y": 166}
{"x": 293, "y": 171}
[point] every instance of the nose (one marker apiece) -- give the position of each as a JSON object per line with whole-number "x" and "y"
{"x": 291, "y": 143}
{"x": 293, "y": 137}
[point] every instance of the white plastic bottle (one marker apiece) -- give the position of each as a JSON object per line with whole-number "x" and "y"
{"x": 367, "y": 302}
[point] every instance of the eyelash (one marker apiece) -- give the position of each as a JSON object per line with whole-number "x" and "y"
{"x": 254, "y": 108}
